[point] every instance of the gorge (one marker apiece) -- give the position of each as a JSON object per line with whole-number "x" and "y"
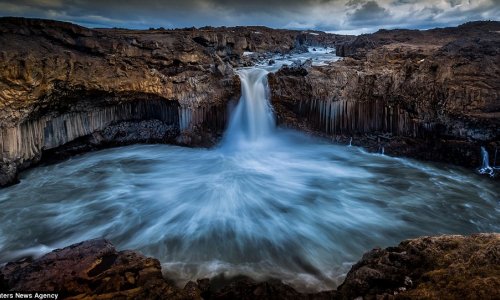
{"x": 431, "y": 95}
{"x": 262, "y": 201}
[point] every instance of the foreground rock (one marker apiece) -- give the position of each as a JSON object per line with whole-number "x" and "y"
{"x": 443, "y": 267}
{"x": 432, "y": 95}
{"x": 91, "y": 268}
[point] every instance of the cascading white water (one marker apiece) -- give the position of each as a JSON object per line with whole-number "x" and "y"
{"x": 485, "y": 164}
{"x": 253, "y": 118}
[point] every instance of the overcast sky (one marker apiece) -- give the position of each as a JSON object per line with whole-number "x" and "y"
{"x": 342, "y": 16}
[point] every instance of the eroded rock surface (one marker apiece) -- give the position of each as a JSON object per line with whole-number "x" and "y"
{"x": 91, "y": 268}
{"x": 442, "y": 267}
{"x": 66, "y": 89}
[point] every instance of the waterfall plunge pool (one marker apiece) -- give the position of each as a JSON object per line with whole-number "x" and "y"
{"x": 266, "y": 203}
{"x": 290, "y": 207}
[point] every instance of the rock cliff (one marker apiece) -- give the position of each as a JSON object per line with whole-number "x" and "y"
{"x": 428, "y": 94}
{"x": 443, "y": 267}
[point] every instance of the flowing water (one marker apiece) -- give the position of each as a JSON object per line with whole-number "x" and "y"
{"x": 266, "y": 202}
{"x": 485, "y": 164}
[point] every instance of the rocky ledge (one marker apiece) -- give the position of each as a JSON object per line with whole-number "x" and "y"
{"x": 441, "y": 267}
{"x": 432, "y": 94}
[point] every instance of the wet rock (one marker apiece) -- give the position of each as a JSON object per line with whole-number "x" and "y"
{"x": 8, "y": 173}
{"x": 140, "y": 131}
{"x": 306, "y": 64}
{"x": 246, "y": 289}
{"x": 90, "y": 268}
{"x": 297, "y": 68}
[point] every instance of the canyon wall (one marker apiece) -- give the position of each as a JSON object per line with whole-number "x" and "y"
{"x": 427, "y": 94}
{"x": 68, "y": 89}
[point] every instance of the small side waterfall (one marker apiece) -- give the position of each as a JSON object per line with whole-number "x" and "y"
{"x": 253, "y": 118}
{"x": 485, "y": 165}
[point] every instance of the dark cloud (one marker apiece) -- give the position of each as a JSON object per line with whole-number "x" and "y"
{"x": 353, "y": 3}
{"x": 403, "y": 2}
{"x": 454, "y": 3}
{"x": 143, "y": 13}
{"x": 362, "y": 15}
{"x": 370, "y": 13}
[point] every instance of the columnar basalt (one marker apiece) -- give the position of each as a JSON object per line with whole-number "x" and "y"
{"x": 61, "y": 82}
{"x": 27, "y": 140}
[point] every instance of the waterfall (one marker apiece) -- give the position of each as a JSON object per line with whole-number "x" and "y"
{"x": 485, "y": 165}
{"x": 253, "y": 118}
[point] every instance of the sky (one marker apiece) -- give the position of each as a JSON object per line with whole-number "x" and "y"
{"x": 339, "y": 16}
